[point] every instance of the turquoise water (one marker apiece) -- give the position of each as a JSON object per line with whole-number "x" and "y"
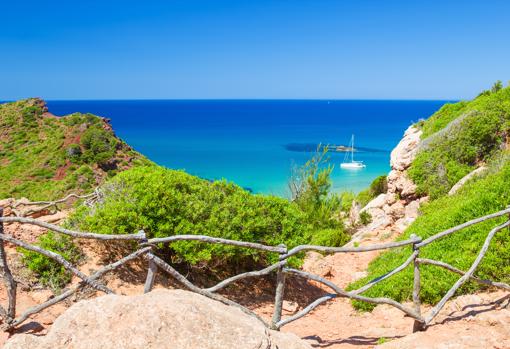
{"x": 246, "y": 141}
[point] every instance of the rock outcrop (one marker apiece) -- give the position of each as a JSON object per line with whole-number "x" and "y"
{"x": 399, "y": 206}
{"x": 160, "y": 319}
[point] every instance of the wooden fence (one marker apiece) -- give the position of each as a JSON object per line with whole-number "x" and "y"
{"x": 147, "y": 249}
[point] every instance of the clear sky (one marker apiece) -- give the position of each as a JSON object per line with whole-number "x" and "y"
{"x": 355, "y": 49}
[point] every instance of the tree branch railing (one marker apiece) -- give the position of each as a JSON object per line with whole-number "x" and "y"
{"x": 146, "y": 248}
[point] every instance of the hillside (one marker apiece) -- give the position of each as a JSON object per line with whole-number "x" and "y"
{"x": 457, "y": 140}
{"x": 44, "y": 157}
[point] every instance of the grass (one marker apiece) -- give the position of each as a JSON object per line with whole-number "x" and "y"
{"x": 45, "y": 157}
{"x": 477, "y": 198}
{"x": 458, "y": 138}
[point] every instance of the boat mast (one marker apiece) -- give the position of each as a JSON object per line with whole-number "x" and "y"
{"x": 352, "y": 148}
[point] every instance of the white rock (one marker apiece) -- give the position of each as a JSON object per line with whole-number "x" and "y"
{"x": 378, "y": 202}
{"x": 405, "y": 151}
{"x": 412, "y": 209}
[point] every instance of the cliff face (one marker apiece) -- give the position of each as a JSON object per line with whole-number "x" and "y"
{"x": 44, "y": 157}
{"x": 399, "y": 206}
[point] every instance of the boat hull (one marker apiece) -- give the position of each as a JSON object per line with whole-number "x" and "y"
{"x": 352, "y": 165}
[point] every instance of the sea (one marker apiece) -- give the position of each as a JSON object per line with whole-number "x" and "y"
{"x": 257, "y": 143}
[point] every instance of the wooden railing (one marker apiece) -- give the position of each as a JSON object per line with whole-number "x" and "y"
{"x": 146, "y": 249}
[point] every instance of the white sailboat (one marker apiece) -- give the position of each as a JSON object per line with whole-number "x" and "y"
{"x": 351, "y": 165}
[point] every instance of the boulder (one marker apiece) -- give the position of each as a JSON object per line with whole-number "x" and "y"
{"x": 405, "y": 151}
{"x": 398, "y": 182}
{"x": 160, "y": 319}
{"x": 397, "y": 210}
{"x": 378, "y": 203}
{"x": 412, "y": 210}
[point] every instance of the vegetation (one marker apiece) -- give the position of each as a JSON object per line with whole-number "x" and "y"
{"x": 45, "y": 157}
{"x": 166, "y": 202}
{"x": 49, "y": 272}
{"x": 458, "y": 138}
{"x": 310, "y": 187}
{"x": 378, "y": 186}
{"x": 365, "y": 218}
{"x": 477, "y": 198}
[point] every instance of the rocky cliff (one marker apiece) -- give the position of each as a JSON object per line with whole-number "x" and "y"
{"x": 399, "y": 206}
{"x": 43, "y": 156}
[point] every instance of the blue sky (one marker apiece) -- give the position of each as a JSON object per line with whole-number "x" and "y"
{"x": 354, "y": 49}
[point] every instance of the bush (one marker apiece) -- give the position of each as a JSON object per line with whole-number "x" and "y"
{"x": 49, "y": 272}
{"x": 73, "y": 152}
{"x": 365, "y": 218}
{"x": 475, "y": 199}
{"x": 457, "y": 139}
{"x": 378, "y": 186}
{"x": 166, "y": 202}
{"x": 99, "y": 145}
{"x": 310, "y": 187}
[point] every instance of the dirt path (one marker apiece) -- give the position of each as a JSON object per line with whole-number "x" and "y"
{"x": 471, "y": 321}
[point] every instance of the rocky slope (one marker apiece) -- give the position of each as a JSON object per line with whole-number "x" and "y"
{"x": 44, "y": 157}
{"x": 396, "y": 209}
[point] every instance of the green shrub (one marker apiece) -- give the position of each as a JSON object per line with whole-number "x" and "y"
{"x": 51, "y": 273}
{"x": 310, "y": 186}
{"x": 378, "y": 186}
{"x": 346, "y": 199}
{"x": 99, "y": 145}
{"x": 458, "y": 138}
{"x": 365, "y": 218}
{"x": 165, "y": 202}
{"x": 74, "y": 152}
{"x": 475, "y": 199}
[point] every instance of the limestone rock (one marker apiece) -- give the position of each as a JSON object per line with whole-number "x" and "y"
{"x": 378, "y": 202}
{"x": 160, "y": 319}
{"x": 316, "y": 264}
{"x": 412, "y": 209}
{"x": 291, "y": 307}
{"x": 405, "y": 152}
{"x": 397, "y": 210}
{"x": 399, "y": 182}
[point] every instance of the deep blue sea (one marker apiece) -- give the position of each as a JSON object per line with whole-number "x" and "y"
{"x": 247, "y": 141}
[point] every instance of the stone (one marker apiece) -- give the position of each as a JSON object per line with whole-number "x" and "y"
{"x": 378, "y": 202}
{"x": 316, "y": 264}
{"x": 397, "y": 210}
{"x": 291, "y": 307}
{"x": 412, "y": 209}
{"x": 404, "y": 153}
{"x": 399, "y": 182}
{"x": 160, "y": 319}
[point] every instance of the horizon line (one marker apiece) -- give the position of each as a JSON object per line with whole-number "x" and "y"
{"x": 233, "y": 99}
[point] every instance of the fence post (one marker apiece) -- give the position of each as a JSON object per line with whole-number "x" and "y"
{"x": 7, "y": 276}
{"x": 280, "y": 290}
{"x": 417, "y": 326}
{"x": 151, "y": 271}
